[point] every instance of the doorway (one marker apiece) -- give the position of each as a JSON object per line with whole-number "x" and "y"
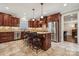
{"x": 70, "y": 27}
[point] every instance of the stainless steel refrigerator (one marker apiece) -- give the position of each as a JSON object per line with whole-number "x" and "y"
{"x": 53, "y": 28}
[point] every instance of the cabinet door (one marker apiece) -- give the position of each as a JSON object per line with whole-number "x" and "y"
{"x": 46, "y": 41}
{"x": 28, "y": 23}
{"x": 40, "y": 23}
{"x": 31, "y": 23}
{"x": 10, "y": 21}
{"x": 17, "y": 22}
{"x": 36, "y": 23}
{"x": 6, "y": 17}
{"x": 1, "y": 19}
{"x": 6, "y": 36}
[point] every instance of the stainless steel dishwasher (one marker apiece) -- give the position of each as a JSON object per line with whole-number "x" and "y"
{"x": 17, "y": 35}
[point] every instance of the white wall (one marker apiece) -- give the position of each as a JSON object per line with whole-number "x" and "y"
{"x": 69, "y": 25}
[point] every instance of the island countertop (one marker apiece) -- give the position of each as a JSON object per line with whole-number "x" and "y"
{"x": 43, "y": 32}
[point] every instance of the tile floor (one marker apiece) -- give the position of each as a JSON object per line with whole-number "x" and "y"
{"x": 19, "y": 48}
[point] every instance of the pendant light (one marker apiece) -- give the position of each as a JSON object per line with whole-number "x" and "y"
{"x": 41, "y": 10}
{"x": 33, "y": 14}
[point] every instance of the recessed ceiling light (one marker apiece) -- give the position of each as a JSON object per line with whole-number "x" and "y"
{"x": 65, "y": 4}
{"x": 24, "y": 13}
{"x": 71, "y": 15}
{"x": 7, "y": 8}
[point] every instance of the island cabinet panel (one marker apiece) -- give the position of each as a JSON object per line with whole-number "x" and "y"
{"x": 6, "y": 36}
{"x": 46, "y": 40}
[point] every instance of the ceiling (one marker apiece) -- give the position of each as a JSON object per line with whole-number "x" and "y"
{"x": 24, "y": 10}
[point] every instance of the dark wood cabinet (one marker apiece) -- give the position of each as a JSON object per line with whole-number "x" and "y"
{"x": 38, "y": 23}
{"x": 12, "y": 21}
{"x": 8, "y": 20}
{"x": 46, "y": 40}
{"x": 23, "y": 35}
{"x": 5, "y": 20}
{"x": 31, "y": 23}
{"x": 1, "y": 19}
{"x": 15, "y": 21}
{"x": 6, "y": 36}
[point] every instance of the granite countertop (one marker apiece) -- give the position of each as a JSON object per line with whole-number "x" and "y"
{"x": 11, "y": 31}
{"x": 43, "y": 32}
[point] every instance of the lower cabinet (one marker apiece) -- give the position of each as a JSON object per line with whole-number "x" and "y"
{"x": 6, "y": 36}
{"x": 46, "y": 41}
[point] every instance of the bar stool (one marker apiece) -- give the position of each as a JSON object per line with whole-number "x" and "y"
{"x": 26, "y": 36}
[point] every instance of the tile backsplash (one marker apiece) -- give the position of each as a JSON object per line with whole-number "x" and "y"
{"x": 8, "y": 29}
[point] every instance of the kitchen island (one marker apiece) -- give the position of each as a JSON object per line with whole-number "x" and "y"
{"x": 45, "y": 39}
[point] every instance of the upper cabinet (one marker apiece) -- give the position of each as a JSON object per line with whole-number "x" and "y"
{"x": 30, "y": 23}
{"x": 8, "y": 20}
{"x": 54, "y": 17}
{"x": 44, "y": 22}
{"x": 16, "y": 22}
{"x": 1, "y": 18}
{"x": 38, "y": 23}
